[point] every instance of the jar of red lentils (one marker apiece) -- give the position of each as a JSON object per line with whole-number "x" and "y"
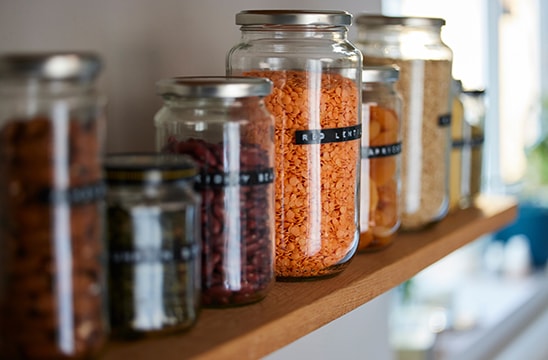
{"x": 222, "y": 123}
{"x": 414, "y": 44}
{"x": 52, "y": 288}
{"x": 316, "y": 74}
{"x": 381, "y": 158}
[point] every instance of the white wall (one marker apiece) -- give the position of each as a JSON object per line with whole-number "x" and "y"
{"x": 141, "y": 41}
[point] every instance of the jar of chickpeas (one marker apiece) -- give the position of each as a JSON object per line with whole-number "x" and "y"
{"x": 316, "y": 75}
{"x": 381, "y": 157}
{"x": 414, "y": 44}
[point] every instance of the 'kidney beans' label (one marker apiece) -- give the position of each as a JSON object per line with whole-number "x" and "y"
{"x": 323, "y": 136}
{"x": 381, "y": 151}
{"x": 153, "y": 255}
{"x": 245, "y": 178}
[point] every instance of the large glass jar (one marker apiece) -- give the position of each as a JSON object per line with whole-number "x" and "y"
{"x": 316, "y": 74}
{"x": 381, "y": 157}
{"x": 52, "y": 298}
{"x": 414, "y": 44}
{"x": 222, "y": 123}
{"x": 153, "y": 244}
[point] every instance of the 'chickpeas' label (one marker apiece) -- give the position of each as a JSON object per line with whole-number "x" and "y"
{"x": 381, "y": 151}
{"x": 244, "y": 178}
{"x": 323, "y": 136}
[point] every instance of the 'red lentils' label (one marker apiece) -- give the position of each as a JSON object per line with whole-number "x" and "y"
{"x": 324, "y": 136}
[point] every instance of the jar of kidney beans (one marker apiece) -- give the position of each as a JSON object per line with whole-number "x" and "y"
{"x": 222, "y": 123}
{"x": 52, "y": 303}
{"x": 153, "y": 244}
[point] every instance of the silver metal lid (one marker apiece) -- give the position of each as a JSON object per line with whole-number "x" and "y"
{"x": 214, "y": 86}
{"x": 380, "y": 20}
{"x": 380, "y": 73}
{"x": 293, "y": 17}
{"x": 148, "y": 167}
{"x": 51, "y": 66}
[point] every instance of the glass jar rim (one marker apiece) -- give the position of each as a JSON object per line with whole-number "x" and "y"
{"x": 51, "y": 66}
{"x": 294, "y": 17}
{"x": 381, "y": 20}
{"x": 214, "y": 86}
{"x": 141, "y": 168}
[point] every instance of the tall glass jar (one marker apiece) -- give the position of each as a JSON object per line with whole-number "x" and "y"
{"x": 414, "y": 44}
{"x": 459, "y": 167}
{"x": 222, "y": 123}
{"x": 153, "y": 244}
{"x": 381, "y": 157}
{"x": 473, "y": 101}
{"x": 52, "y": 298}
{"x": 316, "y": 73}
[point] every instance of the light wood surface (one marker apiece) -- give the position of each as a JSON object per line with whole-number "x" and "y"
{"x": 292, "y": 310}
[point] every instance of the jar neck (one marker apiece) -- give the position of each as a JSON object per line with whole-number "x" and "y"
{"x": 398, "y": 34}
{"x": 210, "y": 103}
{"x": 33, "y": 88}
{"x": 255, "y": 32}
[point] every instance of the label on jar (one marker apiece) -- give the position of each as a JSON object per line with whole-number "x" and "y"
{"x": 183, "y": 253}
{"x": 381, "y": 151}
{"x": 74, "y": 195}
{"x": 473, "y": 142}
{"x": 444, "y": 120}
{"x": 324, "y": 136}
{"x": 244, "y": 178}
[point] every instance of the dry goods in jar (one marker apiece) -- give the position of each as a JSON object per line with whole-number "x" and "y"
{"x": 315, "y": 171}
{"x": 426, "y": 138}
{"x": 384, "y": 145}
{"x": 51, "y": 300}
{"x": 237, "y": 241}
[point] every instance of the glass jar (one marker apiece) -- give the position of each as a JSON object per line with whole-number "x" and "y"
{"x": 153, "y": 244}
{"x": 381, "y": 157}
{"x": 52, "y": 298}
{"x": 474, "y": 106}
{"x": 316, "y": 74}
{"x": 222, "y": 123}
{"x": 458, "y": 167}
{"x": 414, "y": 45}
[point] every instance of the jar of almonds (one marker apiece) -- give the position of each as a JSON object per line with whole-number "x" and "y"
{"x": 52, "y": 290}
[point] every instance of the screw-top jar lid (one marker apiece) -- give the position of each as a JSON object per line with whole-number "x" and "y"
{"x": 214, "y": 86}
{"x": 293, "y": 17}
{"x": 51, "y": 66}
{"x": 380, "y": 20}
{"x": 380, "y": 73}
{"x": 149, "y": 168}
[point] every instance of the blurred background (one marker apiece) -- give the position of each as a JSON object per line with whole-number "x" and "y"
{"x": 486, "y": 300}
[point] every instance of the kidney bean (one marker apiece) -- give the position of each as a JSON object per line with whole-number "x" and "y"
{"x": 237, "y": 263}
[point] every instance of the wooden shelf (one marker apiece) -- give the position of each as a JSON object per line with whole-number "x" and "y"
{"x": 292, "y": 310}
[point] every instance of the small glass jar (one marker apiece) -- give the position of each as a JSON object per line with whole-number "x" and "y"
{"x": 381, "y": 157}
{"x": 414, "y": 45}
{"x": 153, "y": 244}
{"x": 222, "y": 123}
{"x": 52, "y": 279}
{"x": 316, "y": 74}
